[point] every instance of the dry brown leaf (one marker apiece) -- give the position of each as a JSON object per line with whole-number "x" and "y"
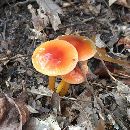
{"x": 90, "y": 8}
{"x": 3, "y": 108}
{"x": 12, "y": 115}
{"x": 125, "y": 41}
{"x": 24, "y": 111}
{"x": 36, "y": 19}
{"x": 101, "y": 125}
{"x": 55, "y": 101}
{"x": 122, "y": 73}
{"x": 101, "y": 71}
{"x": 102, "y": 54}
{"x": 125, "y": 3}
{"x": 51, "y": 10}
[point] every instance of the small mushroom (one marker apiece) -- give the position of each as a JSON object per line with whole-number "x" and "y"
{"x": 53, "y": 58}
{"x": 86, "y": 49}
{"x": 74, "y": 77}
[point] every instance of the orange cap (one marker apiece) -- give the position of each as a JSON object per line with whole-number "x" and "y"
{"x": 55, "y": 57}
{"x": 74, "y": 77}
{"x": 85, "y": 47}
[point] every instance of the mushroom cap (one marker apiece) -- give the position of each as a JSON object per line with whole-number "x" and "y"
{"x": 74, "y": 77}
{"x": 85, "y": 47}
{"x": 55, "y": 57}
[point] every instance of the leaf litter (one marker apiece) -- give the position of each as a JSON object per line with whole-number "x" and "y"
{"x": 103, "y": 102}
{"x": 13, "y": 114}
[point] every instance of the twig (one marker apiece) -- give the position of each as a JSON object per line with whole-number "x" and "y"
{"x": 77, "y": 23}
{"x": 13, "y": 58}
{"x": 3, "y": 33}
{"x": 50, "y": 95}
{"x": 101, "y": 85}
{"x": 24, "y": 2}
{"x": 108, "y": 71}
{"x": 115, "y": 80}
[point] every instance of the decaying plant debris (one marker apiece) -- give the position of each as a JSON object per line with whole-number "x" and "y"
{"x": 101, "y": 103}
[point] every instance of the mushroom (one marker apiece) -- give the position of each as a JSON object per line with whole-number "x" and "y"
{"x": 86, "y": 49}
{"x": 53, "y": 58}
{"x": 74, "y": 77}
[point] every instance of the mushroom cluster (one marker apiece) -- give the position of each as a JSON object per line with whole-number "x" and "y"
{"x": 65, "y": 57}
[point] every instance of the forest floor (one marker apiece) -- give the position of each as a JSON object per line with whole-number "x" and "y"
{"x": 101, "y": 103}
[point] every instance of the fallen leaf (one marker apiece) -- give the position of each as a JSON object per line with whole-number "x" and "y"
{"x": 49, "y": 123}
{"x": 121, "y": 87}
{"x": 23, "y": 111}
{"x": 76, "y": 128}
{"x": 112, "y": 2}
{"x": 128, "y": 113}
{"x": 85, "y": 117}
{"x": 1, "y": 68}
{"x": 37, "y": 124}
{"x": 12, "y": 114}
{"x": 99, "y": 43}
{"x": 101, "y": 71}
{"x": 124, "y": 90}
{"x": 101, "y": 125}
{"x": 51, "y": 10}
{"x": 42, "y": 91}
{"x": 90, "y": 8}
{"x": 55, "y": 101}
{"x": 31, "y": 109}
{"x": 102, "y": 54}
{"x": 113, "y": 121}
{"x": 125, "y": 3}
{"x": 3, "y": 108}
{"x": 125, "y": 41}
{"x": 11, "y": 121}
{"x": 36, "y": 19}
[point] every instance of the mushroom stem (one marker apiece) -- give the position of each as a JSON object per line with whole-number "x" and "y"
{"x": 62, "y": 88}
{"x": 52, "y": 82}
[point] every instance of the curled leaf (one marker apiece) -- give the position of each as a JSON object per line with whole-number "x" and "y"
{"x": 102, "y": 54}
{"x": 12, "y": 114}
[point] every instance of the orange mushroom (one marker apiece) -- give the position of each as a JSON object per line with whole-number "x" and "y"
{"x": 76, "y": 76}
{"x": 53, "y": 58}
{"x": 86, "y": 49}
